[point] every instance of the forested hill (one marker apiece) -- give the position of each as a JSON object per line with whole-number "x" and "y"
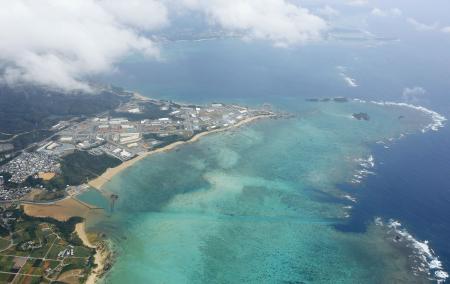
{"x": 28, "y": 108}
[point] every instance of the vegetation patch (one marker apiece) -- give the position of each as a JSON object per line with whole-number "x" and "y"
{"x": 42, "y": 249}
{"x": 79, "y": 167}
{"x": 26, "y": 108}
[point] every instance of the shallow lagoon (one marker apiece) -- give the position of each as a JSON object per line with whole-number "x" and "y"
{"x": 262, "y": 203}
{"x": 259, "y": 203}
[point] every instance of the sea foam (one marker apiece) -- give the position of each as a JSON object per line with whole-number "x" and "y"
{"x": 425, "y": 259}
{"x": 438, "y": 120}
{"x": 365, "y": 164}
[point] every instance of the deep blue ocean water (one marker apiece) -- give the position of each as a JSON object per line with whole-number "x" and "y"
{"x": 411, "y": 185}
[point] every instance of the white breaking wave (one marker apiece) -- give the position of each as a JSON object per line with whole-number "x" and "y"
{"x": 352, "y": 199}
{"x": 438, "y": 119}
{"x": 364, "y": 170}
{"x": 351, "y": 82}
{"x": 425, "y": 258}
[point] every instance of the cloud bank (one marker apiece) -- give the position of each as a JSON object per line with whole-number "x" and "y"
{"x": 58, "y": 43}
{"x": 328, "y": 11}
{"x": 394, "y": 12}
{"x": 421, "y": 27}
{"x": 446, "y": 30}
{"x": 61, "y": 43}
{"x": 278, "y": 21}
{"x": 357, "y": 2}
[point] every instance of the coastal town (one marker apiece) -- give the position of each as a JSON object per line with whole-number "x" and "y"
{"x": 136, "y": 127}
{"x": 76, "y": 156}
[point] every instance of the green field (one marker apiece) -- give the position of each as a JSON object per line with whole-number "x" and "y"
{"x": 53, "y": 253}
{"x": 80, "y": 166}
{"x": 37, "y": 242}
{"x": 4, "y": 243}
{"x": 6, "y": 263}
{"x": 30, "y": 279}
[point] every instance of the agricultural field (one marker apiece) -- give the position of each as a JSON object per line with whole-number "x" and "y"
{"x": 41, "y": 250}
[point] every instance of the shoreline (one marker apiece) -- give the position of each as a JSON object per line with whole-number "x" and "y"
{"x": 104, "y": 178}
{"x": 101, "y": 253}
{"x": 71, "y": 206}
{"x": 63, "y": 210}
{"x": 80, "y": 229}
{"x": 138, "y": 96}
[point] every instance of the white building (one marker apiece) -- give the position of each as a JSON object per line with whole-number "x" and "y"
{"x": 134, "y": 110}
{"x": 66, "y": 139}
{"x": 127, "y": 138}
{"x": 52, "y": 146}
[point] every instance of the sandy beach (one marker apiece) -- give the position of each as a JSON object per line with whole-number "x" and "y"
{"x": 100, "y": 256}
{"x": 111, "y": 172}
{"x": 139, "y": 96}
{"x": 62, "y": 210}
{"x": 80, "y": 228}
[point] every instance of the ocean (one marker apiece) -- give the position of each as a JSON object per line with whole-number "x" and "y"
{"x": 411, "y": 185}
{"x": 317, "y": 198}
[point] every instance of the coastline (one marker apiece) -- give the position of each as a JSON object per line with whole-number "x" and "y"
{"x": 102, "y": 252}
{"x": 138, "y": 96}
{"x": 63, "y": 210}
{"x": 80, "y": 228}
{"x": 69, "y": 207}
{"x": 104, "y": 178}
{"x": 101, "y": 255}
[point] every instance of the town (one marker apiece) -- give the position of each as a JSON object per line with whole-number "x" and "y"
{"x": 135, "y": 127}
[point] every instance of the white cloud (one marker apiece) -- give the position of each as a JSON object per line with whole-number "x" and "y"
{"x": 421, "y": 27}
{"x": 394, "y": 12}
{"x": 328, "y": 11}
{"x": 275, "y": 20}
{"x": 378, "y": 12}
{"x": 142, "y": 14}
{"x": 58, "y": 43}
{"x": 357, "y": 2}
{"x": 61, "y": 43}
{"x": 413, "y": 95}
{"x": 446, "y": 29}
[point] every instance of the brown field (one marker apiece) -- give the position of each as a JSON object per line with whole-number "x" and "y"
{"x": 46, "y": 176}
{"x": 61, "y": 210}
{"x": 71, "y": 276}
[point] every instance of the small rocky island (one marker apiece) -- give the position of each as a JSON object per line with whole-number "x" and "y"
{"x": 361, "y": 116}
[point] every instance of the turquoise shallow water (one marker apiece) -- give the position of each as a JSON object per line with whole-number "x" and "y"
{"x": 258, "y": 204}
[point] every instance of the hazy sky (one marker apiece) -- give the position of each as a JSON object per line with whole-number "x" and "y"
{"x": 58, "y": 43}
